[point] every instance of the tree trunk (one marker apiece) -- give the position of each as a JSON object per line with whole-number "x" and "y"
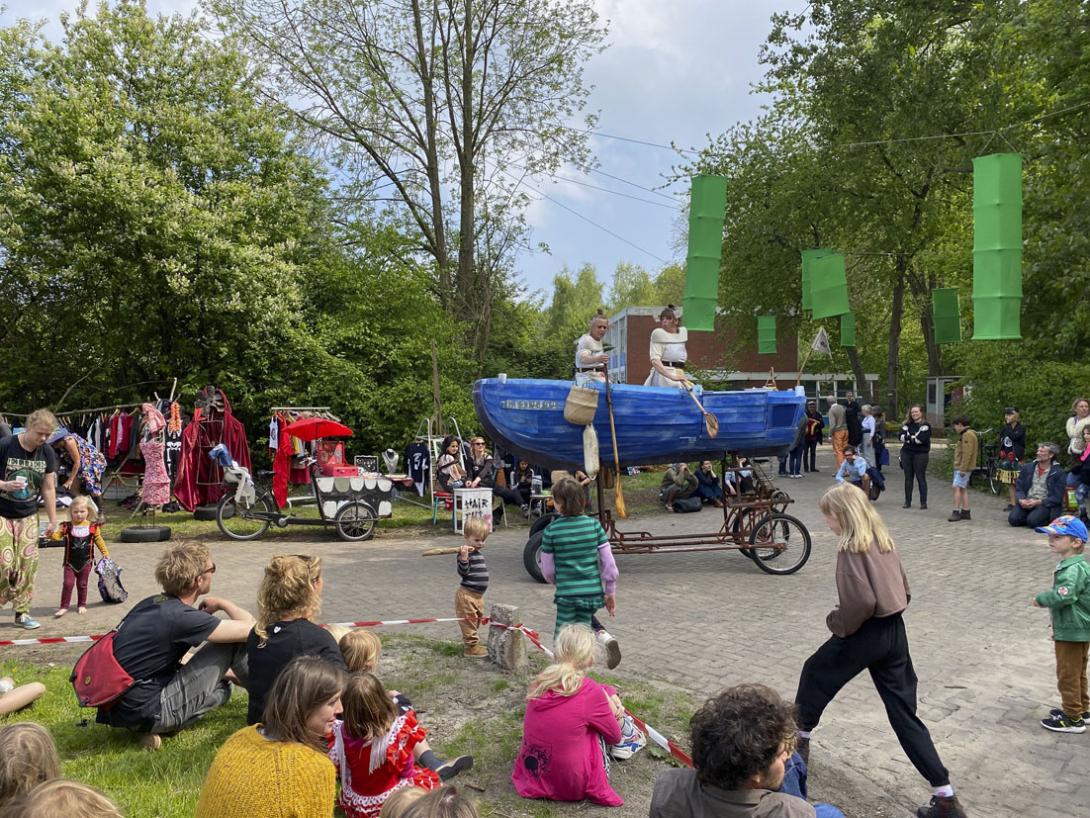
{"x": 934, "y": 354}
{"x": 862, "y": 387}
{"x": 470, "y": 290}
{"x": 895, "y": 320}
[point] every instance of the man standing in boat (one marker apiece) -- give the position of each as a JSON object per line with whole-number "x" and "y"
{"x": 668, "y": 354}
{"x": 590, "y": 356}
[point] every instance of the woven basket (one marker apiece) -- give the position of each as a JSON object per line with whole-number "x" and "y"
{"x": 580, "y": 406}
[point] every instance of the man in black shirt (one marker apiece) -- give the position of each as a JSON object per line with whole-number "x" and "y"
{"x": 27, "y": 471}
{"x": 159, "y": 631}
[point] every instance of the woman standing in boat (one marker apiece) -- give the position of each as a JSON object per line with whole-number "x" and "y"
{"x": 668, "y": 355}
{"x": 590, "y": 354}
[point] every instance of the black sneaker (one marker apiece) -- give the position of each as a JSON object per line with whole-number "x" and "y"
{"x": 456, "y": 765}
{"x": 1059, "y": 712}
{"x": 1063, "y": 724}
{"x": 942, "y": 806}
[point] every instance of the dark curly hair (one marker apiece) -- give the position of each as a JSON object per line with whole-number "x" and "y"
{"x": 739, "y": 733}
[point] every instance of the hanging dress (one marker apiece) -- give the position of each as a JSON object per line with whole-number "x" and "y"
{"x": 156, "y": 480}
{"x": 92, "y": 465}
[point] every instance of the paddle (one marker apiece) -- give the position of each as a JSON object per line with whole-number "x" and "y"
{"x": 711, "y": 422}
{"x": 435, "y": 552}
{"x": 618, "y": 497}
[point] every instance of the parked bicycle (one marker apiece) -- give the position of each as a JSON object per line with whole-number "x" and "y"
{"x": 988, "y": 468}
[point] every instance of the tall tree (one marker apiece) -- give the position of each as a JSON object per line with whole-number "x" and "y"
{"x": 428, "y": 101}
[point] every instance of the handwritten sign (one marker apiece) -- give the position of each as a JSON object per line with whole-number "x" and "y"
{"x": 472, "y": 503}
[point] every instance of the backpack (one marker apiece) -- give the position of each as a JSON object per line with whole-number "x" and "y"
{"x": 687, "y": 504}
{"x": 97, "y": 677}
{"x": 109, "y": 581}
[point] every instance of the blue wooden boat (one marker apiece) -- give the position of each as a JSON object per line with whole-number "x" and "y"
{"x": 654, "y": 424}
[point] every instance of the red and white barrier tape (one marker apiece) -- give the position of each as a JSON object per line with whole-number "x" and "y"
{"x": 533, "y": 636}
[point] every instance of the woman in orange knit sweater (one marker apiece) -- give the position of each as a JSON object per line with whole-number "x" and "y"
{"x": 278, "y": 768}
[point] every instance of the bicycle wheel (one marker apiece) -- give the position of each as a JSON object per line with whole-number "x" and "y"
{"x": 355, "y": 521}
{"x": 779, "y": 544}
{"x": 238, "y": 523}
{"x": 993, "y": 478}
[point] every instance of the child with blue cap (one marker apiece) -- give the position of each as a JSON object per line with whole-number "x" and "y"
{"x": 1069, "y": 604}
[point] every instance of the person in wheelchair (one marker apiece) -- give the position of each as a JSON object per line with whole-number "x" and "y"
{"x": 854, "y": 470}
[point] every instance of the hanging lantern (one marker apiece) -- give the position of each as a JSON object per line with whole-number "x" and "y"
{"x": 808, "y": 259}
{"x": 829, "y": 286}
{"x": 997, "y": 246}
{"x": 946, "y": 315}
{"x": 766, "y": 334}
{"x": 847, "y": 329}
{"x": 707, "y": 214}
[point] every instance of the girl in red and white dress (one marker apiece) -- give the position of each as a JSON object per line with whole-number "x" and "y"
{"x": 376, "y": 749}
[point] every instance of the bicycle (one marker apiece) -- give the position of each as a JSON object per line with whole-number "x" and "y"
{"x": 989, "y": 463}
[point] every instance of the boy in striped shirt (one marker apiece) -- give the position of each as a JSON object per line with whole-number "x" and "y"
{"x": 469, "y": 598}
{"x": 576, "y": 557}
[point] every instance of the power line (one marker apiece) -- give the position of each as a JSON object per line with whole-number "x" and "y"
{"x": 674, "y": 148}
{"x": 579, "y": 215}
{"x": 596, "y": 187}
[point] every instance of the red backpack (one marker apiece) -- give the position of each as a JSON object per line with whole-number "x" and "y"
{"x": 98, "y": 678}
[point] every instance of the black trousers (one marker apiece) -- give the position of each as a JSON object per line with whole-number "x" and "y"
{"x": 915, "y": 466}
{"x": 809, "y": 457}
{"x": 881, "y": 647}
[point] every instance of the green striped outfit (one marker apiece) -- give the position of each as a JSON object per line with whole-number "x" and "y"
{"x": 573, "y": 542}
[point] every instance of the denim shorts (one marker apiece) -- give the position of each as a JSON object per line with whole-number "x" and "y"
{"x": 961, "y": 479}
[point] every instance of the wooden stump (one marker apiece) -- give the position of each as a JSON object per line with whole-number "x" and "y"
{"x": 506, "y": 646}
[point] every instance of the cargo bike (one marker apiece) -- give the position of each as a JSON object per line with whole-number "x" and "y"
{"x": 346, "y": 499}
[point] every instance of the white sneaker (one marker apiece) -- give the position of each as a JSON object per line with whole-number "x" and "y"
{"x": 632, "y": 741}
{"x": 611, "y": 647}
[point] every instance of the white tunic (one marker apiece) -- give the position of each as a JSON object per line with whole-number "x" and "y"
{"x": 667, "y": 346}
{"x": 586, "y": 347}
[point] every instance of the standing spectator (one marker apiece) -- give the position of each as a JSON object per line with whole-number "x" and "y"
{"x": 1079, "y": 420}
{"x": 815, "y": 424}
{"x": 853, "y": 417}
{"x": 1039, "y": 490}
{"x": 86, "y": 466}
{"x": 1080, "y": 466}
{"x": 1069, "y": 603}
{"x": 867, "y": 445}
{"x": 28, "y": 469}
{"x": 881, "y": 454}
{"x": 81, "y": 536}
{"x": 794, "y": 468}
{"x": 838, "y": 430}
{"x": 744, "y": 763}
{"x": 1012, "y": 448}
{"x": 469, "y": 598}
{"x": 868, "y": 633}
{"x": 965, "y": 457}
{"x": 915, "y": 452}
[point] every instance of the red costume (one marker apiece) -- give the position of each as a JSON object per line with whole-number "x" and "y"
{"x": 199, "y": 480}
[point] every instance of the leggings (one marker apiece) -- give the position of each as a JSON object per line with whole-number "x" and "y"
{"x": 915, "y": 466}
{"x": 79, "y": 579}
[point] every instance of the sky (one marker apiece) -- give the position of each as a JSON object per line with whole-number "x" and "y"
{"x": 675, "y": 71}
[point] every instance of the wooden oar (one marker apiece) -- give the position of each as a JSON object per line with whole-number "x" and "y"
{"x": 435, "y": 552}
{"x": 711, "y": 422}
{"x": 618, "y": 497}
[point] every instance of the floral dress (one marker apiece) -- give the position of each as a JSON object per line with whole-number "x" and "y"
{"x": 92, "y": 465}
{"x": 372, "y": 769}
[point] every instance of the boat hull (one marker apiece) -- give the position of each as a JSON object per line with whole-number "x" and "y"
{"x": 654, "y": 424}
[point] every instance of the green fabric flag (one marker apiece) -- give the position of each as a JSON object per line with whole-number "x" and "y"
{"x": 829, "y": 286}
{"x": 808, "y": 258}
{"x": 847, "y": 329}
{"x": 707, "y": 213}
{"x": 946, "y": 315}
{"x": 766, "y": 334}
{"x": 997, "y": 246}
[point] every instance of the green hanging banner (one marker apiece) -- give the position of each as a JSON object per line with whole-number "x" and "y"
{"x": 808, "y": 259}
{"x": 997, "y": 246}
{"x": 766, "y": 334}
{"x": 847, "y": 329}
{"x": 829, "y": 286}
{"x": 946, "y": 315}
{"x": 707, "y": 214}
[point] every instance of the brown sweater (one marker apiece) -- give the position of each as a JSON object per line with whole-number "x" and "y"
{"x": 871, "y": 584}
{"x": 965, "y": 453}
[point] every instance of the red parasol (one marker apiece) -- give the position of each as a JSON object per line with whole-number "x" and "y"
{"x": 309, "y": 429}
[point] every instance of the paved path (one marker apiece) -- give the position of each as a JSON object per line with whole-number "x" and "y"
{"x": 704, "y": 621}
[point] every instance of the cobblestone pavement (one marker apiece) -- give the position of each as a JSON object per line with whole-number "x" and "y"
{"x": 704, "y": 621}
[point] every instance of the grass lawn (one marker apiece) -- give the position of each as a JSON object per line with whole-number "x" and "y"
{"x": 468, "y": 706}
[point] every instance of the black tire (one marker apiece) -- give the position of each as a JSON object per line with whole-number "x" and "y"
{"x": 993, "y": 479}
{"x": 530, "y": 556}
{"x": 145, "y": 533}
{"x": 234, "y": 523}
{"x": 542, "y": 522}
{"x": 355, "y": 521}
{"x": 779, "y": 528}
{"x": 207, "y": 512}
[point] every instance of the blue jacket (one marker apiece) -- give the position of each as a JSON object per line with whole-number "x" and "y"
{"x": 1054, "y": 485}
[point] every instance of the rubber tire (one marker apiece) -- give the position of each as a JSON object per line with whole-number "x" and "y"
{"x": 366, "y": 519}
{"x": 207, "y": 512}
{"x": 226, "y": 510}
{"x": 529, "y": 557}
{"x": 993, "y": 480}
{"x": 765, "y": 564}
{"x": 542, "y": 522}
{"x": 145, "y": 533}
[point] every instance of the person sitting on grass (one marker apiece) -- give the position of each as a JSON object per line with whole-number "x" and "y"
{"x": 744, "y": 762}
{"x": 15, "y": 697}
{"x": 572, "y": 728}
{"x": 854, "y": 470}
{"x": 398, "y": 804}
{"x": 677, "y": 484}
{"x": 279, "y": 767}
{"x": 28, "y": 757}
{"x": 708, "y": 485}
{"x": 445, "y": 802}
{"x": 152, "y": 639}
{"x": 61, "y": 797}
